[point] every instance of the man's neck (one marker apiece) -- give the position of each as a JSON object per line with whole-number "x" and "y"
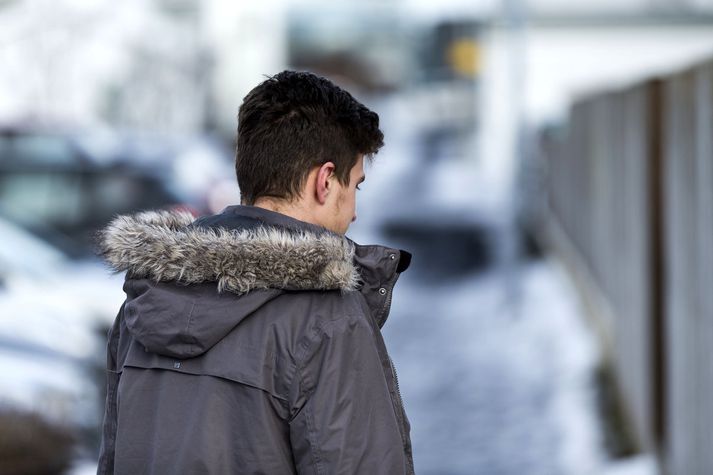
{"x": 293, "y": 209}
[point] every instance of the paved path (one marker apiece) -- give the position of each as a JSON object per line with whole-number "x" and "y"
{"x": 495, "y": 384}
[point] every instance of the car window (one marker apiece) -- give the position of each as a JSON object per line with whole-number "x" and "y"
{"x": 36, "y": 149}
{"x": 113, "y": 193}
{"x": 49, "y": 197}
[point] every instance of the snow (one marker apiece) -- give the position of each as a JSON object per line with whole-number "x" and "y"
{"x": 497, "y": 385}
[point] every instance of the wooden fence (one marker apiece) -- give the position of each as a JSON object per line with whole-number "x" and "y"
{"x": 630, "y": 189}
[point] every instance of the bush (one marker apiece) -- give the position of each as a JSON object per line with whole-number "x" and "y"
{"x": 29, "y": 445}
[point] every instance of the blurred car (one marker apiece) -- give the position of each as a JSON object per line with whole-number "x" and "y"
{"x": 64, "y": 185}
{"x": 189, "y": 166}
{"x": 54, "y": 314}
{"x": 443, "y": 211}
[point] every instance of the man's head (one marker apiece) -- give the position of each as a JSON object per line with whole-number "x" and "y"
{"x": 301, "y": 145}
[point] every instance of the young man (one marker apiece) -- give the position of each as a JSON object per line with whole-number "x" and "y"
{"x": 249, "y": 341}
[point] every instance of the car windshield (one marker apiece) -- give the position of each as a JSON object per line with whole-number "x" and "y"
{"x": 36, "y": 149}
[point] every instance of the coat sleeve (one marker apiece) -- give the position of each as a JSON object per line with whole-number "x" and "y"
{"x": 106, "y": 450}
{"x": 343, "y": 417}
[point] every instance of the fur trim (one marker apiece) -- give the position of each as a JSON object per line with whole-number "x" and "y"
{"x": 159, "y": 246}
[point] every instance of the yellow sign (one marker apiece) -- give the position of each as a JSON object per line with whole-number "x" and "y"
{"x": 464, "y": 57}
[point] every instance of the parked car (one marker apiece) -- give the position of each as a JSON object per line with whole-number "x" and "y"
{"x": 64, "y": 185}
{"x": 54, "y": 314}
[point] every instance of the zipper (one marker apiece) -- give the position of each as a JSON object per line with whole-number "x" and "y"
{"x": 396, "y": 381}
{"x": 402, "y": 416}
{"x": 399, "y": 398}
{"x": 387, "y": 305}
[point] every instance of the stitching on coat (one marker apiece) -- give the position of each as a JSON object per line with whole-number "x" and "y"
{"x": 188, "y": 327}
{"x": 111, "y": 411}
{"x": 312, "y": 441}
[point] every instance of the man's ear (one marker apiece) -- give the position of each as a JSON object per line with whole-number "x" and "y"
{"x": 325, "y": 176}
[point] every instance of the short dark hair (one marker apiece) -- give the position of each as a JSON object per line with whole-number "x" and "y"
{"x": 293, "y": 122}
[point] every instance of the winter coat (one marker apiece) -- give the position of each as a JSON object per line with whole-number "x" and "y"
{"x": 250, "y": 343}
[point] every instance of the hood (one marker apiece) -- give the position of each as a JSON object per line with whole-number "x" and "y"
{"x": 167, "y": 246}
{"x": 185, "y": 321}
{"x": 189, "y": 283}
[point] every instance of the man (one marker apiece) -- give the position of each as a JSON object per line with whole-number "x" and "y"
{"x": 249, "y": 341}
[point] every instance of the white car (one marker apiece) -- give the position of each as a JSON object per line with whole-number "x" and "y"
{"x": 53, "y": 317}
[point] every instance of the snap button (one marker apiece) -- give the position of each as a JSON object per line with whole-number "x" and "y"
{"x": 392, "y": 256}
{"x": 382, "y": 291}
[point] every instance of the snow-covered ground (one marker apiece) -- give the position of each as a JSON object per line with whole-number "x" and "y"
{"x": 497, "y": 378}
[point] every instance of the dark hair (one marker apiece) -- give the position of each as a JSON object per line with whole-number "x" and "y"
{"x": 293, "y": 122}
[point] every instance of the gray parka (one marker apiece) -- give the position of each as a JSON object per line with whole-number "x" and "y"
{"x": 250, "y": 342}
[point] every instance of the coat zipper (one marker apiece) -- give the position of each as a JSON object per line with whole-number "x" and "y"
{"x": 399, "y": 398}
{"x": 396, "y": 381}
{"x": 400, "y": 403}
{"x": 387, "y": 305}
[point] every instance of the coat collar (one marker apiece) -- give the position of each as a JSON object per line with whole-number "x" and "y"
{"x": 259, "y": 254}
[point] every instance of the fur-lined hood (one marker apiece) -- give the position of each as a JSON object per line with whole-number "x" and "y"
{"x": 165, "y": 246}
{"x": 252, "y": 254}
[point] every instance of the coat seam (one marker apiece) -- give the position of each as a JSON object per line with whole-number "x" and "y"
{"x": 305, "y": 344}
{"x": 188, "y": 327}
{"x": 111, "y": 411}
{"x": 111, "y": 402}
{"x": 312, "y": 442}
{"x": 315, "y": 335}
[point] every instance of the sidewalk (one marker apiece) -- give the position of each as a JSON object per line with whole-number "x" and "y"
{"x": 497, "y": 378}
